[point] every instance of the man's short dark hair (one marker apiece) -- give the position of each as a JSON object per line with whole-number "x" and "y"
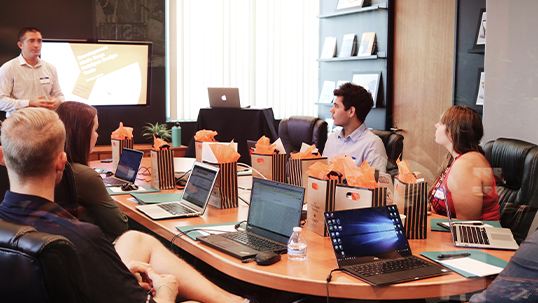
{"x": 356, "y": 96}
{"x": 24, "y": 30}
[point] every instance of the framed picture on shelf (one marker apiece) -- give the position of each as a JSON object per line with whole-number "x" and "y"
{"x": 343, "y": 4}
{"x": 368, "y": 80}
{"x": 480, "y": 89}
{"x": 480, "y": 38}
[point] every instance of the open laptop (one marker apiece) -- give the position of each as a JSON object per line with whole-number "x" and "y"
{"x": 275, "y": 209}
{"x": 224, "y": 97}
{"x": 195, "y": 196}
{"x": 127, "y": 168}
{"x": 469, "y": 235}
{"x": 370, "y": 244}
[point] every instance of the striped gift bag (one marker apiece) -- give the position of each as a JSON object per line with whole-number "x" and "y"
{"x": 225, "y": 193}
{"x": 162, "y": 168}
{"x": 272, "y": 167}
{"x": 411, "y": 200}
{"x": 117, "y": 148}
{"x": 297, "y": 169}
{"x": 320, "y": 199}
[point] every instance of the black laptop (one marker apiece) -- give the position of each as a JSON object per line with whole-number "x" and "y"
{"x": 275, "y": 209}
{"x": 127, "y": 169}
{"x": 370, "y": 244}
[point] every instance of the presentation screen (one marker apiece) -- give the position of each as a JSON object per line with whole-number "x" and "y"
{"x": 103, "y": 72}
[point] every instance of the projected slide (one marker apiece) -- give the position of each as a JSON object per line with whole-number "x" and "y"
{"x": 100, "y": 74}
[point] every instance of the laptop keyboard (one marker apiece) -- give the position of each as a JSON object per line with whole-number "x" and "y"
{"x": 384, "y": 267}
{"x": 109, "y": 181}
{"x": 176, "y": 209}
{"x": 254, "y": 242}
{"x": 473, "y": 234}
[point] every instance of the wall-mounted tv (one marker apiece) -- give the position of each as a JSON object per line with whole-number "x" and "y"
{"x": 103, "y": 72}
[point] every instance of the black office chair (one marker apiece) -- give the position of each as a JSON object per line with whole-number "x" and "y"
{"x": 393, "y": 146}
{"x": 38, "y": 267}
{"x": 518, "y": 193}
{"x": 295, "y": 130}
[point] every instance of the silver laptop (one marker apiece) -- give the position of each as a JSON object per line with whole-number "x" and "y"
{"x": 469, "y": 235}
{"x": 224, "y": 97}
{"x": 127, "y": 168}
{"x": 195, "y": 196}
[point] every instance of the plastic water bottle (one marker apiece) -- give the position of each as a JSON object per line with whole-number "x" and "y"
{"x": 297, "y": 245}
{"x": 176, "y": 135}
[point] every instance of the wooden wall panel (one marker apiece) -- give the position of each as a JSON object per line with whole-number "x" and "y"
{"x": 423, "y": 77}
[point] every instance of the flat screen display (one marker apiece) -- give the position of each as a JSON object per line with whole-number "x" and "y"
{"x": 102, "y": 72}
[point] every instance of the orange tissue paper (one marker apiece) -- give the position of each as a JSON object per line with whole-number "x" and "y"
{"x": 263, "y": 147}
{"x": 122, "y": 133}
{"x": 225, "y": 153}
{"x": 363, "y": 176}
{"x": 205, "y": 136}
{"x": 404, "y": 173}
{"x": 307, "y": 154}
{"x": 158, "y": 143}
{"x": 319, "y": 170}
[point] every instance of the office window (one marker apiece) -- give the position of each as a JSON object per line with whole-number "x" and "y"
{"x": 268, "y": 49}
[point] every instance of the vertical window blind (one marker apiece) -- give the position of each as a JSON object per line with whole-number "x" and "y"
{"x": 266, "y": 48}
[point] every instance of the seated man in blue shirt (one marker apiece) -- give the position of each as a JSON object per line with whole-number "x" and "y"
{"x": 138, "y": 268}
{"x": 350, "y": 108}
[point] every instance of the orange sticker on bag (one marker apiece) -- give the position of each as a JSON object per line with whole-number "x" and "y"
{"x": 315, "y": 186}
{"x": 398, "y": 187}
{"x": 261, "y": 160}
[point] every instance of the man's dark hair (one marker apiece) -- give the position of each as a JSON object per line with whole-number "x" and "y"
{"x": 24, "y": 30}
{"x": 356, "y": 96}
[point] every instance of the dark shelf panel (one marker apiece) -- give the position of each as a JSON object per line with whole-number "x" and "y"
{"x": 476, "y": 51}
{"x": 379, "y": 55}
{"x": 354, "y": 11}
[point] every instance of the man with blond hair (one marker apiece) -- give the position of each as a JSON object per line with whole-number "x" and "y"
{"x": 138, "y": 268}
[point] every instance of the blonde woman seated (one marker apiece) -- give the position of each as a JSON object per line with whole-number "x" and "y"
{"x": 469, "y": 179}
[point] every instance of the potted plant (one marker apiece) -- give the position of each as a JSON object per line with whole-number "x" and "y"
{"x": 159, "y": 130}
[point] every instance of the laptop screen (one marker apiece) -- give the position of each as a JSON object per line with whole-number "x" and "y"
{"x": 275, "y": 208}
{"x": 200, "y": 184}
{"x": 367, "y": 233}
{"x": 129, "y": 164}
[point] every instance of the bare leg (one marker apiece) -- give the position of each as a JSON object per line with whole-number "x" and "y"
{"x": 136, "y": 246}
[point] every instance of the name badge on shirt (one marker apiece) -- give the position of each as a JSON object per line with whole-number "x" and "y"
{"x": 44, "y": 80}
{"x": 439, "y": 193}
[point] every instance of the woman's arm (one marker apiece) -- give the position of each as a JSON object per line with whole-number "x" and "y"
{"x": 99, "y": 206}
{"x": 466, "y": 183}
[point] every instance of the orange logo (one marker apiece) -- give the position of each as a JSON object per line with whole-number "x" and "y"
{"x": 200, "y": 146}
{"x": 261, "y": 160}
{"x": 398, "y": 187}
{"x": 153, "y": 156}
{"x": 115, "y": 143}
{"x": 315, "y": 186}
{"x": 355, "y": 196}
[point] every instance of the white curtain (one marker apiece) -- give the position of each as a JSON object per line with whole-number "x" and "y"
{"x": 266, "y": 48}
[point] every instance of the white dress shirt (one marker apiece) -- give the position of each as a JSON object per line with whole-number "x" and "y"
{"x": 20, "y": 83}
{"x": 362, "y": 145}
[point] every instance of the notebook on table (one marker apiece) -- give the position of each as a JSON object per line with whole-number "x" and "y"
{"x": 193, "y": 201}
{"x": 127, "y": 169}
{"x": 370, "y": 244}
{"x": 224, "y": 97}
{"x": 468, "y": 235}
{"x": 275, "y": 209}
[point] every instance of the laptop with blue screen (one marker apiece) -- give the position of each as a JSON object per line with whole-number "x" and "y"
{"x": 370, "y": 244}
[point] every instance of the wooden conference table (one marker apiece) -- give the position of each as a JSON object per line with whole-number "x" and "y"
{"x": 307, "y": 277}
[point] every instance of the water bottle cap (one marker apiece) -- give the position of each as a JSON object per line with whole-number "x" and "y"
{"x": 297, "y": 229}
{"x": 177, "y": 124}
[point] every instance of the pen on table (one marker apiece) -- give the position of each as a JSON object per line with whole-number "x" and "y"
{"x": 450, "y": 256}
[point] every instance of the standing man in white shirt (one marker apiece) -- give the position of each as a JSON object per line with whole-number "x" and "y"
{"x": 27, "y": 80}
{"x": 350, "y": 108}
